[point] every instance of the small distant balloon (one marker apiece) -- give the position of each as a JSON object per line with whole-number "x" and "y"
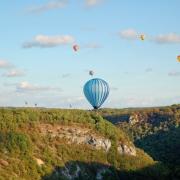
{"x": 142, "y": 37}
{"x": 91, "y": 73}
{"x": 76, "y": 47}
{"x": 178, "y": 58}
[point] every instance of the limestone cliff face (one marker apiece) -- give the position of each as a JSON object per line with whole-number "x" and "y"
{"x": 149, "y": 117}
{"x": 78, "y": 135}
{"x": 133, "y": 119}
{"x": 76, "y": 170}
{"x": 128, "y": 150}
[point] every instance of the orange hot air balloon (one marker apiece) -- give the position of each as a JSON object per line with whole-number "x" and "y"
{"x": 142, "y": 37}
{"x": 178, "y": 58}
{"x": 75, "y": 47}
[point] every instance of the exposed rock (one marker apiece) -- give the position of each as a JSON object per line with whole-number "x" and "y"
{"x": 67, "y": 172}
{"x": 128, "y": 150}
{"x": 39, "y": 161}
{"x": 3, "y": 162}
{"x": 133, "y": 119}
{"x": 99, "y": 143}
{"x": 77, "y": 135}
{"x": 74, "y": 134}
{"x": 79, "y": 170}
{"x": 99, "y": 175}
{"x": 148, "y": 118}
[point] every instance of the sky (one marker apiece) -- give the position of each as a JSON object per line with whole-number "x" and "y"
{"x": 39, "y": 65}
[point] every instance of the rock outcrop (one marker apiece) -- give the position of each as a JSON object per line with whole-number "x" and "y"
{"x": 40, "y": 162}
{"x": 78, "y": 170}
{"x": 77, "y": 135}
{"x": 3, "y": 162}
{"x": 128, "y": 150}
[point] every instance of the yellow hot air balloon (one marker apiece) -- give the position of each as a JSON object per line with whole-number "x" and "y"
{"x": 142, "y": 37}
{"x": 178, "y": 58}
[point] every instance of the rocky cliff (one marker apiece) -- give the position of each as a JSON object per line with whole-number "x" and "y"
{"x": 74, "y": 134}
{"x": 65, "y": 144}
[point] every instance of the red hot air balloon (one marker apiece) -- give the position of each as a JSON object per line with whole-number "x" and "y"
{"x": 75, "y": 47}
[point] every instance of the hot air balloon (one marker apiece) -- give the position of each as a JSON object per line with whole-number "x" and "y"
{"x": 96, "y": 91}
{"x": 75, "y": 47}
{"x": 178, "y": 58}
{"x": 91, "y": 73}
{"x": 142, "y": 37}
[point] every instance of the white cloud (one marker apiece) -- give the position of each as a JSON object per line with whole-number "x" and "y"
{"x": 174, "y": 73}
{"x": 5, "y": 64}
{"x": 13, "y": 73}
{"x": 56, "y": 4}
{"x": 91, "y": 3}
{"x": 44, "y": 41}
{"x": 129, "y": 34}
{"x": 27, "y": 87}
{"x": 167, "y": 38}
{"x": 132, "y": 34}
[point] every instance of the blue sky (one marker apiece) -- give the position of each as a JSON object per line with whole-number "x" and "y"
{"x": 38, "y": 64}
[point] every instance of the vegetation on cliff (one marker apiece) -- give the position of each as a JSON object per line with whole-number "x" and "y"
{"x": 30, "y": 149}
{"x": 156, "y": 130}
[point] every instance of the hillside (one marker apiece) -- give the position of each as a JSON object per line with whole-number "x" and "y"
{"x": 69, "y": 144}
{"x": 156, "y": 130}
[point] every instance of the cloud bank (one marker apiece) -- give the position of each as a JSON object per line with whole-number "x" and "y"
{"x": 56, "y": 4}
{"x": 129, "y": 34}
{"x": 5, "y": 64}
{"x": 167, "y": 38}
{"x": 27, "y": 87}
{"x": 91, "y": 3}
{"x": 44, "y": 41}
{"x": 13, "y": 73}
{"x": 132, "y": 34}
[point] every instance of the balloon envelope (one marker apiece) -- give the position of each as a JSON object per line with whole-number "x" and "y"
{"x": 75, "y": 47}
{"x": 142, "y": 37}
{"x": 96, "y": 91}
{"x": 178, "y": 58}
{"x": 91, "y": 73}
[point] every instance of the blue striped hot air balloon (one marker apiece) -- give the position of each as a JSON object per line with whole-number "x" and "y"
{"x": 96, "y": 91}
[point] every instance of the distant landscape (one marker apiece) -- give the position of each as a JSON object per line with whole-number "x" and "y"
{"x": 90, "y": 90}
{"x": 37, "y": 143}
